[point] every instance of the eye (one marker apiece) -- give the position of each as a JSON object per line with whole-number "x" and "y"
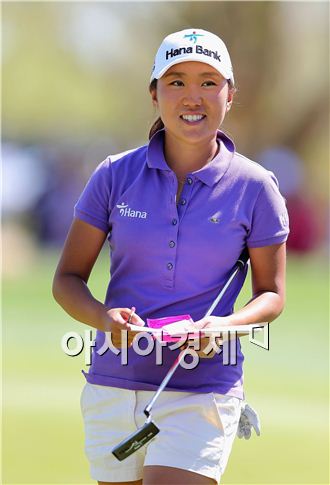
{"x": 177, "y": 82}
{"x": 209, "y": 83}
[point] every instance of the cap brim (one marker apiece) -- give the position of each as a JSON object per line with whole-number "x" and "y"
{"x": 194, "y": 58}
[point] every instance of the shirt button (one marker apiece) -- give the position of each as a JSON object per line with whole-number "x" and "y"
{"x": 174, "y": 222}
{"x": 183, "y": 201}
{"x": 169, "y": 266}
{"x": 189, "y": 180}
{"x": 171, "y": 244}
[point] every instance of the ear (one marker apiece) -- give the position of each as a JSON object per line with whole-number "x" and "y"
{"x": 153, "y": 94}
{"x": 230, "y": 99}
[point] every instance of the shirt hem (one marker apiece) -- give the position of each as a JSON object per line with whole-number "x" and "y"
{"x": 90, "y": 220}
{"x": 143, "y": 386}
{"x": 267, "y": 242}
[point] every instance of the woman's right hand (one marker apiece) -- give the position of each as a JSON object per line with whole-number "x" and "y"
{"x": 115, "y": 320}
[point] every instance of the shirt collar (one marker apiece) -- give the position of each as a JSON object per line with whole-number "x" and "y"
{"x": 210, "y": 174}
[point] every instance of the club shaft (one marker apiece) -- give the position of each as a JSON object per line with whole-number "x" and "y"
{"x": 220, "y": 295}
{"x": 166, "y": 379}
{"x": 240, "y": 264}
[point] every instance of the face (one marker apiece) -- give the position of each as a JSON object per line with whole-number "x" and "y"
{"x": 192, "y": 99}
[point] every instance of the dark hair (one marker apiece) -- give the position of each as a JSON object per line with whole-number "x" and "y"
{"x": 158, "y": 124}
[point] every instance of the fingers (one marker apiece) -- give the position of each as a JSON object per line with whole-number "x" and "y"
{"x": 210, "y": 321}
{"x": 256, "y": 425}
{"x": 244, "y": 429}
{"x": 133, "y": 317}
{"x": 136, "y": 320}
{"x": 206, "y": 351}
{"x": 124, "y": 316}
{"x": 203, "y": 323}
{"x": 119, "y": 320}
{"x": 253, "y": 418}
{"x": 248, "y": 420}
{"x": 204, "y": 355}
{"x": 119, "y": 316}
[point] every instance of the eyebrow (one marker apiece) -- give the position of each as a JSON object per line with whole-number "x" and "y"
{"x": 182, "y": 74}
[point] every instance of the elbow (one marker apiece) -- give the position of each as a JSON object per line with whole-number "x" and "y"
{"x": 272, "y": 303}
{"x": 278, "y": 306}
{"x": 281, "y": 301}
{"x": 57, "y": 289}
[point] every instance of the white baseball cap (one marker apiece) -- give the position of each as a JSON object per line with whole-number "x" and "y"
{"x": 192, "y": 45}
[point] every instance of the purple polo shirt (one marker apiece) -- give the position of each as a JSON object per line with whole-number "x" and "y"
{"x": 170, "y": 258}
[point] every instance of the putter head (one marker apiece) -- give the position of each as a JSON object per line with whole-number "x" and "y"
{"x": 135, "y": 441}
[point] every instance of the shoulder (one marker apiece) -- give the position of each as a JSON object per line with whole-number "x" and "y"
{"x": 118, "y": 161}
{"x": 132, "y": 156}
{"x": 243, "y": 170}
{"x": 251, "y": 172}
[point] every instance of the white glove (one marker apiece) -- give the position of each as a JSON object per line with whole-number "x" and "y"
{"x": 248, "y": 420}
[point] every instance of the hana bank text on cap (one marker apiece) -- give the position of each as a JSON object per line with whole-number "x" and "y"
{"x": 193, "y": 45}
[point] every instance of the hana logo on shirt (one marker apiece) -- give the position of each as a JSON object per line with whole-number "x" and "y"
{"x": 126, "y": 211}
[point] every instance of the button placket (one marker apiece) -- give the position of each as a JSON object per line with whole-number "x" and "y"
{"x": 185, "y": 196}
{"x": 170, "y": 261}
{"x": 170, "y": 253}
{"x": 178, "y": 213}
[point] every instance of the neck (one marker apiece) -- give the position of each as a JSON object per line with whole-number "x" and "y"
{"x": 184, "y": 157}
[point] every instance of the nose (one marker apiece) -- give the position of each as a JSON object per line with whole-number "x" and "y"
{"x": 192, "y": 97}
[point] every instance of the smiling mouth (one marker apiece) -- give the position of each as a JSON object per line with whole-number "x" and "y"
{"x": 192, "y": 118}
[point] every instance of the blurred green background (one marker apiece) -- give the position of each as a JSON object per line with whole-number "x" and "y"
{"x": 74, "y": 89}
{"x": 42, "y": 427}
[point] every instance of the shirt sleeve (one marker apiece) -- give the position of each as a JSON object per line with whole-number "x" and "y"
{"x": 270, "y": 221}
{"x": 93, "y": 204}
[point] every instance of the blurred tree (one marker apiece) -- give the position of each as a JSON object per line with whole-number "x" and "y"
{"x": 80, "y": 70}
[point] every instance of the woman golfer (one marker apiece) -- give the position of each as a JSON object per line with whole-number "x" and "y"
{"x": 177, "y": 213}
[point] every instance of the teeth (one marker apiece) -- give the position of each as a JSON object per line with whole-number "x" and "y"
{"x": 192, "y": 117}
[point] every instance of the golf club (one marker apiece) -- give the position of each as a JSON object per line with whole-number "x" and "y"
{"x": 149, "y": 430}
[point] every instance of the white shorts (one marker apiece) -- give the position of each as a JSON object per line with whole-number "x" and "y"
{"x": 196, "y": 431}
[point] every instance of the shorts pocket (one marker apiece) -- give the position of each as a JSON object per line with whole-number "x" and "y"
{"x": 83, "y": 398}
{"x": 94, "y": 396}
{"x": 89, "y": 398}
{"x": 228, "y": 410}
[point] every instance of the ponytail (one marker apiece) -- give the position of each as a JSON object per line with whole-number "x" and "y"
{"x": 158, "y": 125}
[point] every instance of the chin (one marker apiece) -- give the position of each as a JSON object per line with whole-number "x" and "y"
{"x": 193, "y": 136}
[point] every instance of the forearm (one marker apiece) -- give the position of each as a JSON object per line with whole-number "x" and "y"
{"x": 74, "y": 296}
{"x": 264, "y": 307}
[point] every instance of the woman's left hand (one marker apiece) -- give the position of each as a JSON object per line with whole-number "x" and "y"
{"x": 212, "y": 322}
{"x": 208, "y": 322}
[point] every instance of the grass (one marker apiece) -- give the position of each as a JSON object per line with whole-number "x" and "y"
{"x": 42, "y": 428}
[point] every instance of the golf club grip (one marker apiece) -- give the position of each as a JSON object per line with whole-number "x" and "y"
{"x": 243, "y": 259}
{"x": 240, "y": 264}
